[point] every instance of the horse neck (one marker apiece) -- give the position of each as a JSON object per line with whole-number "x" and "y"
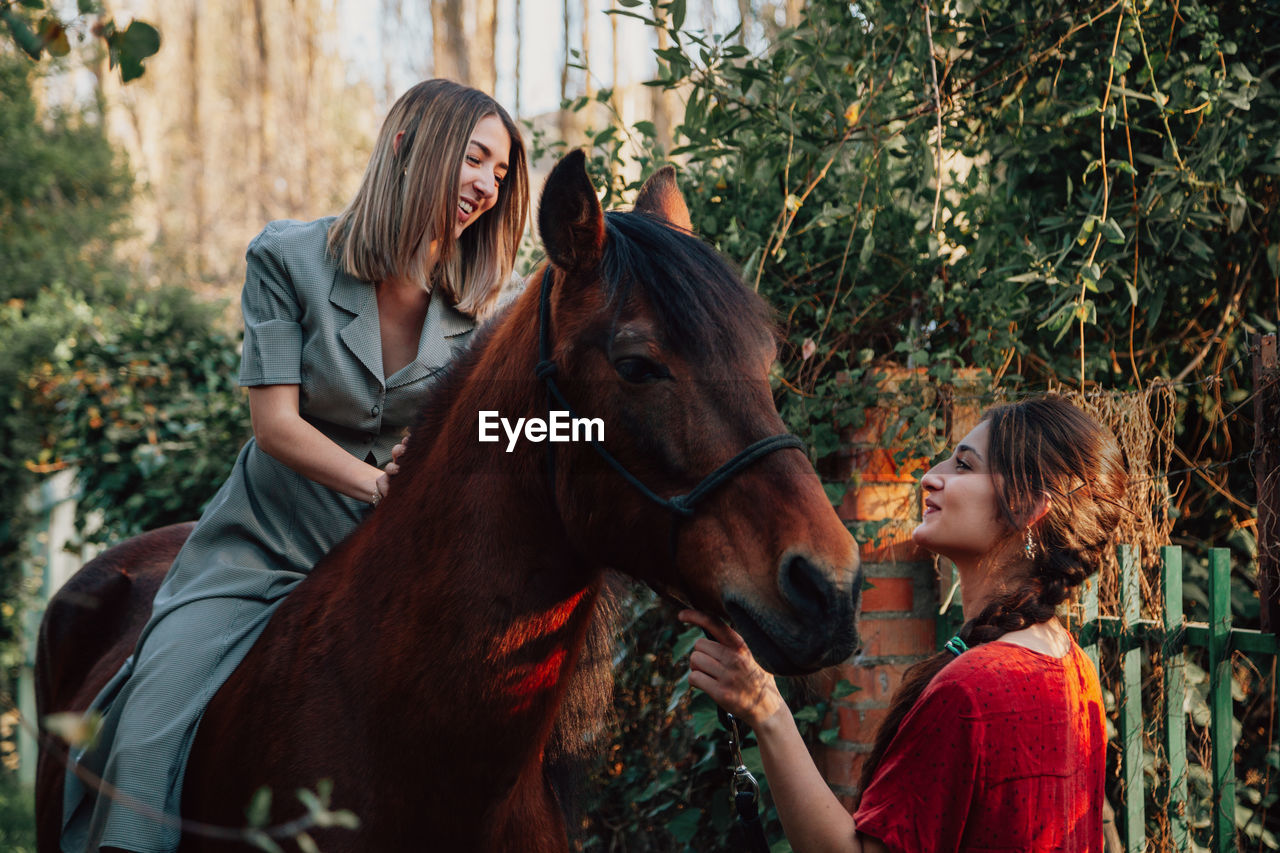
{"x": 498, "y": 601}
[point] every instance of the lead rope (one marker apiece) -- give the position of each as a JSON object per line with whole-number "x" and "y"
{"x": 747, "y": 831}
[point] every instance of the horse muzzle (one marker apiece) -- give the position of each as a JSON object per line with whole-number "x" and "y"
{"x": 816, "y": 624}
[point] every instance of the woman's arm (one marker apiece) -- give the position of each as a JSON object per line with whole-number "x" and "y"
{"x": 281, "y": 432}
{"x": 812, "y": 817}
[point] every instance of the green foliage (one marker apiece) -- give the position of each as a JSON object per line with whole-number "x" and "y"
{"x": 17, "y": 811}
{"x": 135, "y": 389}
{"x": 664, "y": 786}
{"x": 37, "y": 27}
{"x": 1089, "y": 198}
{"x": 1106, "y": 215}
{"x": 143, "y": 401}
{"x": 63, "y": 195}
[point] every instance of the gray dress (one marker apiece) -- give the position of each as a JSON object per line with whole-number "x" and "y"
{"x": 306, "y": 323}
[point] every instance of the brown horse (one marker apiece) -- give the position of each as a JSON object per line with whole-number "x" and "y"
{"x": 422, "y": 664}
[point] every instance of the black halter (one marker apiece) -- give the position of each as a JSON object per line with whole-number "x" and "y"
{"x": 681, "y": 505}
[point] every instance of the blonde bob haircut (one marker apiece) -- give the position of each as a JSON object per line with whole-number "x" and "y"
{"x": 408, "y": 198}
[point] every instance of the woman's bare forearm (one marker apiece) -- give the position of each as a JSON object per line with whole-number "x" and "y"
{"x": 282, "y": 433}
{"x": 813, "y": 819}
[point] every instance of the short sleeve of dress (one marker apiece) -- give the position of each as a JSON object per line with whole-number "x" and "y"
{"x": 272, "y": 353}
{"x": 920, "y": 797}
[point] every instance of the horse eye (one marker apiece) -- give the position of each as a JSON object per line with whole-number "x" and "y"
{"x": 637, "y": 369}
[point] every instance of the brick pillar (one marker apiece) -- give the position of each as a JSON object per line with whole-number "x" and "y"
{"x": 900, "y": 609}
{"x": 898, "y": 627}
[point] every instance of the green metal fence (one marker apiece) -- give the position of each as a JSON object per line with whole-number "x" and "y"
{"x": 1171, "y": 637}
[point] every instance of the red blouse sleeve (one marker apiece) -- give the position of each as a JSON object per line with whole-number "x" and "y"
{"x": 921, "y": 795}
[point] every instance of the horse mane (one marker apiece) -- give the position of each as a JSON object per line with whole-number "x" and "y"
{"x": 705, "y": 311}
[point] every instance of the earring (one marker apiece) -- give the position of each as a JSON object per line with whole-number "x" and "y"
{"x": 1029, "y": 546}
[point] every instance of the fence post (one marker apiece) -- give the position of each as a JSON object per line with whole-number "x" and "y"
{"x": 1089, "y": 617}
{"x": 1220, "y": 724}
{"x": 1175, "y": 691}
{"x": 1266, "y": 473}
{"x": 1131, "y": 702}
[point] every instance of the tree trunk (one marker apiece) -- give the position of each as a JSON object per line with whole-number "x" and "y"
{"x": 744, "y": 12}
{"x": 586, "y": 48}
{"x": 443, "y": 61}
{"x": 264, "y": 176}
{"x": 300, "y": 188}
{"x": 793, "y": 12}
{"x": 661, "y": 97}
{"x": 566, "y": 117}
{"x": 194, "y": 146}
{"x": 519, "y": 69}
{"x": 613, "y": 48}
{"x": 483, "y": 67}
{"x": 392, "y": 26}
{"x": 456, "y": 24}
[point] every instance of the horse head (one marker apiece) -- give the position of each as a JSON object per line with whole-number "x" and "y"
{"x": 649, "y": 330}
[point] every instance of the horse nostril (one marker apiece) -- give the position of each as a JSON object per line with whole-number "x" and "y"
{"x": 805, "y": 587}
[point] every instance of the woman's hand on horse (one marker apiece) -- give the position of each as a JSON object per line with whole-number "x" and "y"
{"x": 383, "y": 483}
{"x": 724, "y": 668}
{"x": 393, "y": 467}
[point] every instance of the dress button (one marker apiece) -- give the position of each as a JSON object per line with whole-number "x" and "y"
{"x": 375, "y": 410}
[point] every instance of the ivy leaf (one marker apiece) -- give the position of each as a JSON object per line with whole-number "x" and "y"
{"x": 262, "y": 841}
{"x": 129, "y": 48}
{"x": 677, "y": 9}
{"x": 844, "y": 688}
{"x": 30, "y": 43}
{"x": 259, "y": 809}
{"x": 868, "y": 248}
{"x": 1086, "y": 229}
{"x": 684, "y": 643}
{"x": 807, "y": 714}
{"x": 1112, "y": 231}
{"x": 685, "y": 825}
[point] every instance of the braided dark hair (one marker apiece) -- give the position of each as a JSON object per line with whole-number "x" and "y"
{"x": 1041, "y": 446}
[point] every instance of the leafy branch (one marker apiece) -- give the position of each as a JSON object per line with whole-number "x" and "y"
{"x": 37, "y": 28}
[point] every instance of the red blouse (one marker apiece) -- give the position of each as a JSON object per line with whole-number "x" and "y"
{"x": 1005, "y": 750}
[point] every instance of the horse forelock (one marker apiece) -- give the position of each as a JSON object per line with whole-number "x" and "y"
{"x": 699, "y": 301}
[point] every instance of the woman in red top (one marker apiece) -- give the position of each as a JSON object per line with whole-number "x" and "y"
{"x": 998, "y": 743}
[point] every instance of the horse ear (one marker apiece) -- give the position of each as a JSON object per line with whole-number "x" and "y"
{"x": 569, "y": 216}
{"x": 661, "y": 197}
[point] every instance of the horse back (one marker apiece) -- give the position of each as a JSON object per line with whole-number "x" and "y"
{"x": 90, "y": 626}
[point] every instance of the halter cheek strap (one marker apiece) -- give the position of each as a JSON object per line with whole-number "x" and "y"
{"x": 680, "y": 505}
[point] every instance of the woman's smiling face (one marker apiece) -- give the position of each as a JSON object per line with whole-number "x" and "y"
{"x": 962, "y": 519}
{"x": 483, "y": 168}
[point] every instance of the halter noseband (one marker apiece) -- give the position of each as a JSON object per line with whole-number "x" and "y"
{"x": 680, "y": 505}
